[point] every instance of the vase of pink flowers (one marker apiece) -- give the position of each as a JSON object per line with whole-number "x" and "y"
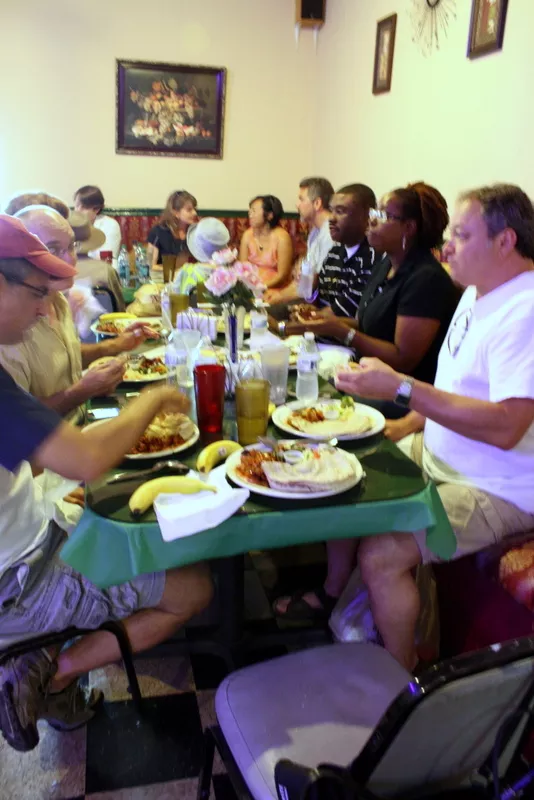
{"x": 235, "y": 286}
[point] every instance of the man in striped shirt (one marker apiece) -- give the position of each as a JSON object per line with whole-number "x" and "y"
{"x": 349, "y": 263}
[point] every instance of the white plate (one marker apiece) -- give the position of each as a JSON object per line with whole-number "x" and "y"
{"x": 282, "y": 413}
{"x": 232, "y": 463}
{"x": 169, "y": 451}
{"x": 123, "y": 323}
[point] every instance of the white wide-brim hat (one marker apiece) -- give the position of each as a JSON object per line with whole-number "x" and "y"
{"x": 206, "y": 237}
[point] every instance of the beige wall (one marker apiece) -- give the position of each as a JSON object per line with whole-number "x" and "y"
{"x": 57, "y": 73}
{"x": 447, "y": 120}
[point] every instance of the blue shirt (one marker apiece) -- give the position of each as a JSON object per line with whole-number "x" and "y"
{"x": 24, "y": 423}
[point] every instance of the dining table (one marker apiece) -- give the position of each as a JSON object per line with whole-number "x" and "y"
{"x": 109, "y": 547}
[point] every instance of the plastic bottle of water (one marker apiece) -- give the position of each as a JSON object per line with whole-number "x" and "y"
{"x": 123, "y": 266}
{"x": 259, "y": 327}
{"x": 307, "y": 377}
{"x": 306, "y": 280}
{"x": 141, "y": 264}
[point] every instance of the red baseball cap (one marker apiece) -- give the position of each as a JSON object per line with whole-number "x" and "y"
{"x": 17, "y": 242}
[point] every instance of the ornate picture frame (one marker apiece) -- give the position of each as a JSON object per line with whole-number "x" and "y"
{"x": 384, "y": 51}
{"x": 486, "y": 31}
{"x": 170, "y": 109}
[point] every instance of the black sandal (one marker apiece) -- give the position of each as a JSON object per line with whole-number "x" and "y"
{"x": 299, "y": 610}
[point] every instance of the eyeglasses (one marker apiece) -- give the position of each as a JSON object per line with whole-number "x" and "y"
{"x": 378, "y": 215}
{"x": 458, "y": 332}
{"x": 39, "y": 292}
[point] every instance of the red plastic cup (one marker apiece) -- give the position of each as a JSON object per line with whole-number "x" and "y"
{"x": 106, "y": 255}
{"x": 209, "y": 393}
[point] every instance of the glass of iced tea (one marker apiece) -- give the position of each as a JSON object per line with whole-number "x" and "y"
{"x": 252, "y": 409}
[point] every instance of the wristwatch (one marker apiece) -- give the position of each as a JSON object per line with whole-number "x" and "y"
{"x": 403, "y": 394}
{"x": 347, "y": 341}
{"x": 282, "y": 328}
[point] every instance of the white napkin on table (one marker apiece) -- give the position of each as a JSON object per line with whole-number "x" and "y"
{"x": 182, "y": 515}
{"x": 193, "y": 320}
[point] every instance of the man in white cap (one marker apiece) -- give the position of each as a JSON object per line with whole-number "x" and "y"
{"x": 38, "y": 592}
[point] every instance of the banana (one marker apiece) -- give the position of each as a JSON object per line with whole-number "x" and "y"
{"x": 112, "y": 316}
{"x": 144, "y": 496}
{"x": 215, "y": 453}
{"x": 272, "y": 408}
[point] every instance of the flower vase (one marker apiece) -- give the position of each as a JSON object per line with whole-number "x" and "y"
{"x": 234, "y": 326}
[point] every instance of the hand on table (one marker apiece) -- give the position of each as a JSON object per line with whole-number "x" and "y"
{"x": 104, "y": 378}
{"x": 76, "y": 497}
{"x": 397, "y": 429}
{"x": 370, "y": 378}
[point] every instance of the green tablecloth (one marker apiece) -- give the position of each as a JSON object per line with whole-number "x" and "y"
{"x": 109, "y": 549}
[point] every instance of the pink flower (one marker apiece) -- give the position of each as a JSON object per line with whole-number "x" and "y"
{"x": 221, "y": 281}
{"x": 224, "y": 257}
{"x": 248, "y": 274}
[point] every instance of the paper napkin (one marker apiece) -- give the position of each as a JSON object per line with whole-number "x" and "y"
{"x": 182, "y": 515}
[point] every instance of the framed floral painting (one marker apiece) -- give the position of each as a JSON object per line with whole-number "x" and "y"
{"x": 170, "y": 109}
{"x": 486, "y": 32}
{"x": 384, "y": 49}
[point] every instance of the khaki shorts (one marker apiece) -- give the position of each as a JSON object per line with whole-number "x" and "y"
{"x": 478, "y": 519}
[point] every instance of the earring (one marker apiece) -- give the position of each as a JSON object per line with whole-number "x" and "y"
{"x": 404, "y": 243}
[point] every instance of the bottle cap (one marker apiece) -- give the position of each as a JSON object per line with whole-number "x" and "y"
{"x": 309, "y": 336}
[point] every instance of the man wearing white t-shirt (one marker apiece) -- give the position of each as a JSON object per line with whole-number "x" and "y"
{"x": 90, "y": 201}
{"x": 313, "y": 205}
{"x": 478, "y": 418}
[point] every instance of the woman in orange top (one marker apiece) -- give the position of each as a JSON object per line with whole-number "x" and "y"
{"x": 266, "y": 244}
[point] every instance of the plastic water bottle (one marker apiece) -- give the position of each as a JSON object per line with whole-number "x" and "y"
{"x": 259, "y": 327}
{"x": 123, "y": 266}
{"x": 306, "y": 280}
{"x": 307, "y": 377}
{"x": 141, "y": 264}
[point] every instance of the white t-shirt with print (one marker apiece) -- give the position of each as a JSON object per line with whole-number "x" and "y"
{"x": 488, "y": 354}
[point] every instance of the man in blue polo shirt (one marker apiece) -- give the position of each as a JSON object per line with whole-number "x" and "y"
{"x": 38, "y": 592}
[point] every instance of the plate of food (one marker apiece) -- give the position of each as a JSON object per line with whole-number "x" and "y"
{"x": 294, "y": 470}
{"x": 324, "y": 419}
{"x": 109, "y": 328}
{"x": 167, "y": 434}
{"x": 139, "y": 369}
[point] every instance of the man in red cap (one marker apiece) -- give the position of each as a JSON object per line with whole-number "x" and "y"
{"x": 38, "y": 592}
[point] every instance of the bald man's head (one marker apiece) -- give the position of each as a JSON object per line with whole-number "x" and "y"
{"x": 52, "y": 229}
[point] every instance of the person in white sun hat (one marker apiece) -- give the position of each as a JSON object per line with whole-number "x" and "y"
{"x": 203, "y": 240}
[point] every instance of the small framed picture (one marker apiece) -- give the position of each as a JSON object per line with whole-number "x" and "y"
{"x": 486, "y": 32}
{"x": 384, "y": 49}
{"x": 170, "y": 109}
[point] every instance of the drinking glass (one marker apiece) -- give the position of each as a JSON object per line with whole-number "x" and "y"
{"x": 179, "y": 303}
{"x": 209, "y": 395}
{"x": 252, "y": 409}
{"x": 275, "y": 368}
{"x": 168, "y": 263}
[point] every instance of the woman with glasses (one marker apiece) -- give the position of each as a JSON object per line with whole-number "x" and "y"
{"x": 266, "y": 244}
{"x": 403, "y": 318}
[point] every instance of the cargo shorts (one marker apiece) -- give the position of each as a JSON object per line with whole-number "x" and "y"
{"x": 42, "y": 594}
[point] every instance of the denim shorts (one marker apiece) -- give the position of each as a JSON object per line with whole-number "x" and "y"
{"x": 42, "y": 594}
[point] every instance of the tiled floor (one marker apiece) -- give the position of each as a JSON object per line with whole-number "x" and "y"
{"x": 120, "y": 756}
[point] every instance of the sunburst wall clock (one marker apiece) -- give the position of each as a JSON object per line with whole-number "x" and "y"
{"x": 430, "y": 21}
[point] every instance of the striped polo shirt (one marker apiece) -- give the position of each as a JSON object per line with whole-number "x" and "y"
{"x": 342, "y": 280}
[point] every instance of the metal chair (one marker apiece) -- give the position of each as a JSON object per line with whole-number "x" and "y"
{"x": 465, "y": 721}
{"x": 9, "y": 648}
{"x": 106, "y": 298}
